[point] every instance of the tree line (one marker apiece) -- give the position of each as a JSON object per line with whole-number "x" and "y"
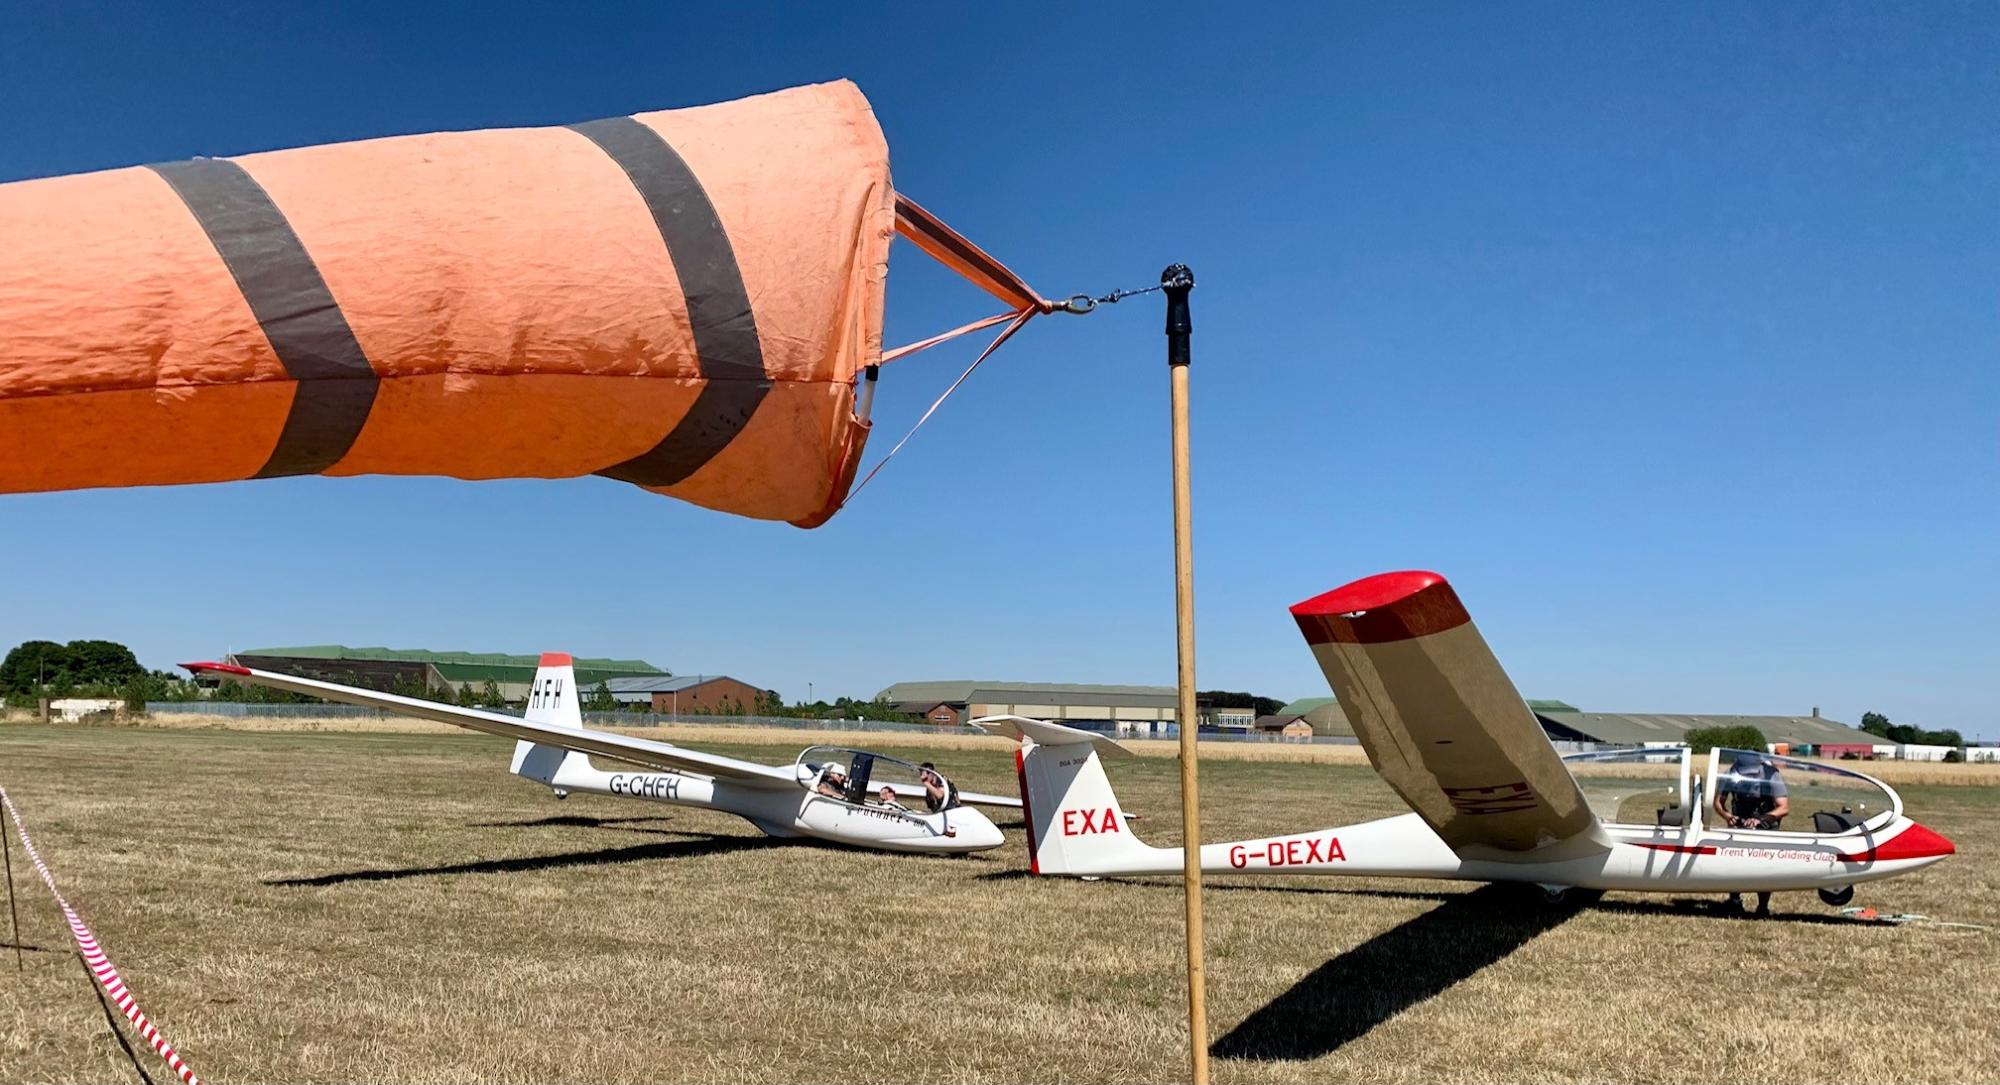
{"x": 106, "y": 669}
{"x": 1875, "y": 723}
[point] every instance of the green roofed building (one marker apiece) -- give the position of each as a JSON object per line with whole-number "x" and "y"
{"x": 386, "y": 668}
{"x": 1322, "y": 713}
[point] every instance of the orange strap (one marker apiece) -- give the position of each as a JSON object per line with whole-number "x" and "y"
{"x": 1020, "y": 318}
{"x": 950, "y": 248}
{"x": 926, "y": 344}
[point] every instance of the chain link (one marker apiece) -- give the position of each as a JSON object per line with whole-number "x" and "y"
{"x": 1080, "y": 304}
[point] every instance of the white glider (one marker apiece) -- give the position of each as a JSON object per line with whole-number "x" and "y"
{"x": 1491, "y": 799}
{"x": 828, "y": 793}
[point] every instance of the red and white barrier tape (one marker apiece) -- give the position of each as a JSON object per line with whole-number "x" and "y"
{"x": 93, "y": 956}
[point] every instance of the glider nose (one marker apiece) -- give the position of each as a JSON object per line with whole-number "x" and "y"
{"x": 1918, "y": 842}
{"x": 975, "y": 832}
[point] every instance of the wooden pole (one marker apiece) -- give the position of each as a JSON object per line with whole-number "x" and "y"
{"x": 1178, "y": 281}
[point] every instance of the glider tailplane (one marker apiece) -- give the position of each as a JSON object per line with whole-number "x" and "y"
{"x": 1075, "y": 825}
{"x": 551, "y": 702}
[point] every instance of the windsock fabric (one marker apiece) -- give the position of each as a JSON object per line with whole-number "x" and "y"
{"x": 678, "y": 299}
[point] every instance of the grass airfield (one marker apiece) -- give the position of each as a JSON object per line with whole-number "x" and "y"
{"x": 390, "y": 905}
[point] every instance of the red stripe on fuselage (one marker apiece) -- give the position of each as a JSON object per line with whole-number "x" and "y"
{"x": 1685, "y": 849}
{"x": 1381, "y": 608}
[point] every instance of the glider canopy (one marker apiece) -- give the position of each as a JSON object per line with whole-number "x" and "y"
{"x": 679, "y": 299}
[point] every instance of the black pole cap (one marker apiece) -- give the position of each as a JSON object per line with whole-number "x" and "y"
{"x": 1176, "y": 281}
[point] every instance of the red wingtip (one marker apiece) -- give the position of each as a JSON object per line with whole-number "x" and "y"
{"x": 1384, "y": 607}
{"x": 226, "y": 668}
{"x": 556, "y": 659}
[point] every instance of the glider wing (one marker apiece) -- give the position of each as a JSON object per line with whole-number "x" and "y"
{"x": 659, "y": 756}
{"x": 1441, "y": 721}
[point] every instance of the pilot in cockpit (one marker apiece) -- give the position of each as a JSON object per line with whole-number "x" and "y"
{"x": 832, "y": 782}
{"x": 887, "y": 798}
{"x": 1751, "y": 795}
{"x": 934, "y": 788}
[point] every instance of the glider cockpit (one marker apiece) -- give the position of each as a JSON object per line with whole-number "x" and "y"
{"x": 873, "y": 780}
{"x": 1674, "y": 788}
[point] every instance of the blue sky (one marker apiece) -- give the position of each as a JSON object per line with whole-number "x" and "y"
{"x": 1667, "y": 333}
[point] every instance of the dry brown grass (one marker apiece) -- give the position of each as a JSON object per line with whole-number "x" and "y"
{"x": 393, "y": 907}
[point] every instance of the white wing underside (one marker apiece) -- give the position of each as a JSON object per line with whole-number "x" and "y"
{"x": 661, "y": 756}
{"x": 1443, "y": 724}
{"x": 645, "y": 753}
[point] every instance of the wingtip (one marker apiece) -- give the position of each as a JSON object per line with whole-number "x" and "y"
{"x": 1385, "y": 607}
{"x": 225, "y": 668}
{"x": 1370, "y": 593}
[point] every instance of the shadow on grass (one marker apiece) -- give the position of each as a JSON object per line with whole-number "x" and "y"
{"x": 1018, "y": 874}
{"x": 675, "y": 849}
{"x": 1712, "y": 908}
{"x": 564, "y": 821}
{"x": 1345, "y": 998}
{"x": 111, "y": 1022}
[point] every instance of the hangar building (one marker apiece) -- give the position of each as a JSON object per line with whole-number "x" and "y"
{"x": 381, "y": 668}
{"x": 686, "y": 695}
{"x": 1632, "y": 728}
{"x": 1322, "y": 714}
{"x": 955, "y": 702}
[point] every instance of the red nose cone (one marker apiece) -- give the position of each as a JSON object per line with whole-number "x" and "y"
{"x": 1916, "y": 842}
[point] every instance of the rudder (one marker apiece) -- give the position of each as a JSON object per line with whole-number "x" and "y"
{"x": 552, "y": 702}
{"x": 1075, "y": 823}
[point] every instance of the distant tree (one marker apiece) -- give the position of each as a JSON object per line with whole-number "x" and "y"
{"x": 1875, "y": 723}
{"x": 32, "y": 664}
{"x": 1736, "y": 737}
{"x": 601, "y": 699}
{"x": 101, "y": 663}
{"x": 466, "y": 698}
{"x": 136, "y": 693}
{"x": 489, "y": 695}
{"x": 769, "y": 704}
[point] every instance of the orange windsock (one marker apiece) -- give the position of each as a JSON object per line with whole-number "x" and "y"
{"x": 679, "y": 299}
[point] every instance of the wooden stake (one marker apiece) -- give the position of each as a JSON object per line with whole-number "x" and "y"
{"x": 7, "y": 851}
{"x": 1178, "y": 281}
